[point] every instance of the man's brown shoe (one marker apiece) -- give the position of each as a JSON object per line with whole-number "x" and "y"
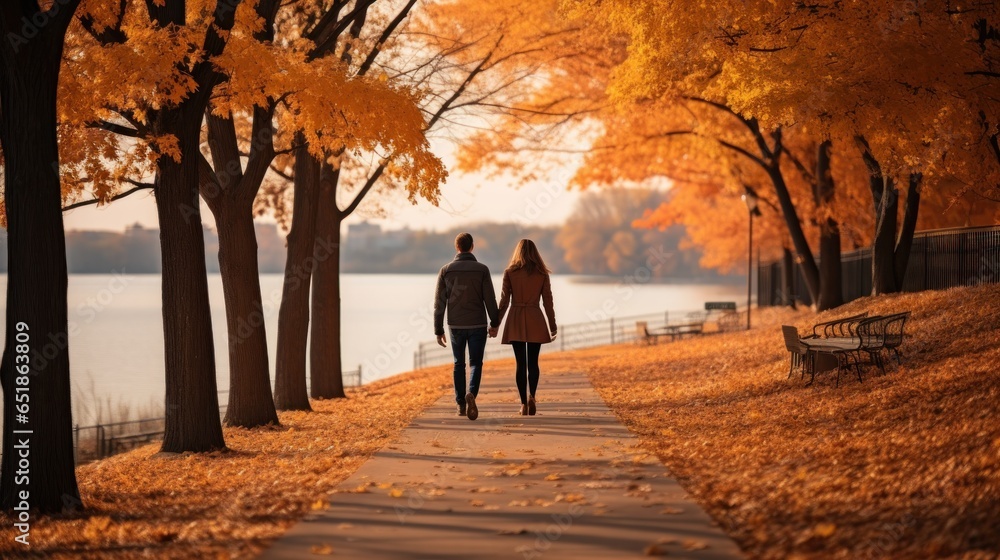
{"x": 470, "y": 407}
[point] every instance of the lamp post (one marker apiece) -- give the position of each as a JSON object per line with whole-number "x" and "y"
{"x": 752, "y": 200}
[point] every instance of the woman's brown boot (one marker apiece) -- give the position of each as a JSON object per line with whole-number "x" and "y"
{"x": 524, "y": 410}
{"x": 531, "y": 406}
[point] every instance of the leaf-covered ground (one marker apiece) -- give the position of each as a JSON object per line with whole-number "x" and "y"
{"x": 905, "y": 465}
{"x": 230, "y": 504}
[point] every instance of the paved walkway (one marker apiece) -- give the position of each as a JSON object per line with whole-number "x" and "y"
{"x": 568, "y": 483}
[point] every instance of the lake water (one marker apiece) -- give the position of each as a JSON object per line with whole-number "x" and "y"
{"x": 116, "y": 342}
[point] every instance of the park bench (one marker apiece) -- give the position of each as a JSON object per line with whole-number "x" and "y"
{"x": 894, "y": 334}
{"x": 693, "y": 323}
{"x": 728, "y": 318}
{"x": 644, "y": 336}
{"x": 847, "y": 340}
{"x": 128, "y": 441}
{"x": 842, "y": 327}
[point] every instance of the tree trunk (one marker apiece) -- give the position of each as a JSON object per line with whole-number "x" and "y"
{"x": 809, "y": 269}
{"x": 886, "y": 279}
{"x": 37, "y": 470}
{"x": 250, "y": 401}
{"x": 905, "y": 240}
{"x": 192, "y": 400}
{"x": 293, "y": 317}
{"x": 886, "y": 201}
{"x": 831, "y": 293}
{"x": 787, "y": 278}
{"x": 325, "y": 362}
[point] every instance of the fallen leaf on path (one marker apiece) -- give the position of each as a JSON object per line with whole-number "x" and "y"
{"x": 824, "y": 529}
{"x": 321, "y": 550}
{"x": 694, "y": 544}
{"x": 654, "y": 550}
{"x": 96, "y": 527}
{"x": 571, "y": 498}
{"x": 520, "y": 531}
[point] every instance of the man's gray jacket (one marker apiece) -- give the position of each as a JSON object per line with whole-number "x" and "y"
{"x": 465, "y": 289}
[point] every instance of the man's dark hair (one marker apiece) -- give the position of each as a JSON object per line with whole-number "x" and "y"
{"x": 463, "y": 242}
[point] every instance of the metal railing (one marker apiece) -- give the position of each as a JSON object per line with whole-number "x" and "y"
{"x": 104, "y": 440}
{"x": 599, "y": 332}
{"x": 938, "y": 259}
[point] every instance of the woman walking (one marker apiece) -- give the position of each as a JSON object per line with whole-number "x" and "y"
{"x": 524, "y": 282}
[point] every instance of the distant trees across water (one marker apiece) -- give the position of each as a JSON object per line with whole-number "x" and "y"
{"x": 597, "y": 239}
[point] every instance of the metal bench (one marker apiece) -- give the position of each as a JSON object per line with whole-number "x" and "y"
{"x": 798, "y": 350}
{"x": 842, "y": 327}
{"x": 643, "y": 336}
{"x": 849, "y": 340}
{"x": 128, "y": 441}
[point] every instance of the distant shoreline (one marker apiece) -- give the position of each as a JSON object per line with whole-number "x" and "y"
{"x": 575, "y": 278}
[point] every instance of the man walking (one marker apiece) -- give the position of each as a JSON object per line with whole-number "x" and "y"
{"x": 465, "y": 289}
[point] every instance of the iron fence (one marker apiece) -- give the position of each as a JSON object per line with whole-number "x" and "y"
{"x": 106, "y": 439}
{"x": 938, "y": 259}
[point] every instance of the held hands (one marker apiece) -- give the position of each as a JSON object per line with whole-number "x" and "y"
{"x": 493, "y": 332}
{"x": 442, "y": 341}
{"x": 554, "y": 335}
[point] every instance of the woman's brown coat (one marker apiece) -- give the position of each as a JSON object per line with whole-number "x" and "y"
{"x": 520, "y": 293}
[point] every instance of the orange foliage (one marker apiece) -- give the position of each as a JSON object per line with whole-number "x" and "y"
{"x": 901, "y": 78}
{"x": 107, "y": 92}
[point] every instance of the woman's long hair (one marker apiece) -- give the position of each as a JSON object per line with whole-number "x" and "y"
{"x": 526, "y": 256}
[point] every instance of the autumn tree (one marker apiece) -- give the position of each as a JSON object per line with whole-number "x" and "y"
{"x": 287, "y": 95}
{"x": 319, "y": 109}
{"x": 574, "y": 92}
{"x": 790, "y": 76}
{"x": 598, "y": 237}
{"x": 142, "y": 78}
{"x": 891, "y": 79}
{"x": 35, "y": 371}
{"x": 314, "y": 235}
{"x": 469, "y": 71}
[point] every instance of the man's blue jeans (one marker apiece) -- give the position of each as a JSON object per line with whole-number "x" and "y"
{"x": 476, "y": 341}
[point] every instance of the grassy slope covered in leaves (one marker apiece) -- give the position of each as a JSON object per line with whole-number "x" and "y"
{"x": 905, "y": 465}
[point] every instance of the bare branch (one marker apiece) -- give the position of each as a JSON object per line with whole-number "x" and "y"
{"x": 137, "y": 188}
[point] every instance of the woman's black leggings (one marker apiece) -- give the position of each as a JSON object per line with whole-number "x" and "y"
{"x": 526, "y": 354}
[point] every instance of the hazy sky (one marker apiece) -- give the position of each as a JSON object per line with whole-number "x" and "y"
{"x": 465, "y": 200}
